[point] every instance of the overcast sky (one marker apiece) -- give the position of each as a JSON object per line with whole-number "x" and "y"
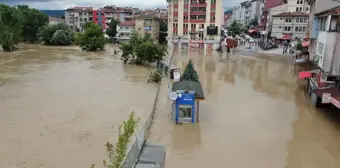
{"x": 63, "y": 4}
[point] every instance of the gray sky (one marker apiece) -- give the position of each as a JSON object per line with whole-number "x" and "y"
{"x": 63, "y": 4}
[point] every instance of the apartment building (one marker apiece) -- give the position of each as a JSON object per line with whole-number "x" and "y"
{"x": 125, "y": 30}
{"x": 148, "y": 24}
{"x": 76, "y": 17}
{"x": 236, "y": 16}
{"x": 197, "y": 21}
{"x": 298, "y": 6}
{"x": 289, "y": 25}
{"x": 324, "y": 34}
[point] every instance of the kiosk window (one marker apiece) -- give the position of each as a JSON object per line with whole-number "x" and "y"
{"x": 184, "y": 111}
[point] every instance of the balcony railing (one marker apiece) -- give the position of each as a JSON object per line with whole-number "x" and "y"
{"x": 198, "y": 5}
{"x": 197, "y": 20}
{"x": 198, "y": 13}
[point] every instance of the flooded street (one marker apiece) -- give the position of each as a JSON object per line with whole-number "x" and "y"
{"x": 255, "y": 115}
{"x": 60, "y": 105}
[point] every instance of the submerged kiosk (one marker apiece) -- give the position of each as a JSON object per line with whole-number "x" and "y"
{"x": 186, "y": 96}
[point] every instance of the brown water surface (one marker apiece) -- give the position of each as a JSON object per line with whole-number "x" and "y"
{"x": 60, "y": 105}
{"x": 255, "y": 115}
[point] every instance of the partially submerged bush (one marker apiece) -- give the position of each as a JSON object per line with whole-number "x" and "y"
{"x": 155, "y": 76}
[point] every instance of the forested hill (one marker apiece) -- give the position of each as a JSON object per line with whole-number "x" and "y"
{"x": 54, "y": 13}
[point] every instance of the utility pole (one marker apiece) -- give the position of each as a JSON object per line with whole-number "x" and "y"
{"x": 170, "y": 60}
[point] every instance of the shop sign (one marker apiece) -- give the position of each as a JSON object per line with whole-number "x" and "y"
{"x": 196, "y": 41}
{"x": 335, "y": 102}
{"x": 326, "y": 98}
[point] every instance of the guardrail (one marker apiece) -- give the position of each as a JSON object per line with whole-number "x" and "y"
{"x": 137, "y": 144}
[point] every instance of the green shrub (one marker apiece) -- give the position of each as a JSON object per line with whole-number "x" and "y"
{"x": 155, "y": 76}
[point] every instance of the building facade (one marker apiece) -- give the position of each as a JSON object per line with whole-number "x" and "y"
{"x": 197, "y": 21}
{"x": 236, "y": 16}
{"x": 324, "y": 34}
{"x": 298, "y": 6}
{"x": 76, "y": 17}
{"x": 148, "y": 25}
{"x": 288, "y": 26}
{"x": 125, "y": 31}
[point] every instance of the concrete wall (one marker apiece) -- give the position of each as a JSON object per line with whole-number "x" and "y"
{"x": 137, "y": 143}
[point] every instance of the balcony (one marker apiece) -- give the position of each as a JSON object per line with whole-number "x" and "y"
{"x": 199, "y": 5}
{"x": 197, "y": 20}
{"x": 198, "y": 13}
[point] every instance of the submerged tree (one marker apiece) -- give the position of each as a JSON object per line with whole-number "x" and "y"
{"x": 92, "y": 39}
{"x": 112, "y": 30}
{"x": 190, "y": 73}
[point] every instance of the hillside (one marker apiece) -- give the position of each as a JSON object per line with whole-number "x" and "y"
{"x": 54, "y": 13}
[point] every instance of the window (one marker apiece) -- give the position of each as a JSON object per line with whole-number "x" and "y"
{"x": 185, "y": 17}
{"x": 301, "y": 20}
{"x": 297, "y": 20}
{"x": 320, "y": 48}
{"x": 322, "y": 23}
{"x": 185, "y": 9}
{"x": 201, "y": 26}
{"x": 147, "y": 21}
{"x": 186, "y": 1}
{"x": 296, "y": 29}
{"x": 300, "y": 8}
{"x": 304, "y": 29}
{"x": 288, "y": 20}
{"x": 185, "y": 26}
{"x": 184, "y": 111}
{"x": 287, "y": 28}
{"x": 300, "y": 29}
{"x": 335, "y": 23}
{"x": 307, "y": 9}
{"x": 280, "y": 18}
{"x": 297, "y": 8}
{"x": 305, "y": 20}
{"x": 212, "y": 17}
{"x": 213, "y": 1}
{"x": 298, "y": 2}
{"x": 193, "y": 26}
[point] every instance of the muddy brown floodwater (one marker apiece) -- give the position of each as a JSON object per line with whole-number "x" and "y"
{"x": 59, "y": 105}
{"x": 255, "y": 115}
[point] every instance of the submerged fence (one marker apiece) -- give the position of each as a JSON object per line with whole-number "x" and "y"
{"x": 137, "y": 144}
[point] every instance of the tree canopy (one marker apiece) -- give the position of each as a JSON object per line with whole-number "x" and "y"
{"x": 163, "y": 27}
{"x": 253, "y": 23}
{"x": 92, "y": 39}
{"x": 58, "y": 34}
{"x": 190, "y": 73}
{"x": 112, "y": 30}
{"x": 142, "y": 49}
{"x": 234, "y": 29}
{"x": 19, "y": 23}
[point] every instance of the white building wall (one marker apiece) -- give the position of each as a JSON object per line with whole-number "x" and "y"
{"x": 236, "y": 14}
{"x": 298, "y": 5}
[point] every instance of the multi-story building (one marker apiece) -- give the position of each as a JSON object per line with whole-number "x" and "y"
{"x": 197, "y": 21}
{"x": 298, "y": 6}
{"x": 77, "y": 17}
{"x": 250, "y": 10}
{"x": 289, "y": 25}
{"x": 236, "y": 14}
{"x": 324, "y": 34}
{"x": 256, "y": 9}
{"x": 125, "y": 30}
{"x": 55, "y": 20}
{"x": 148, "y": 25}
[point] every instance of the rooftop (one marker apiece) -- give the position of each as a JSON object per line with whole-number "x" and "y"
{"x": 291, "y": 14}
{"x": 332, "y": 11}
{"x": 189, "y": 85}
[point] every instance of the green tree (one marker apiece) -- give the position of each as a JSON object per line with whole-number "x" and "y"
{"x": 93, "y": 38}
{"x": 33, "y": 20}
{"x": 142, "y": 49}
{"x": 48, "y": 32}
{"x": 62, "y": 37}
{"x": 190, "y": 73}
{"x": 163, "y": 27}
{"x": 234, "y": 28}
{"x": 10, "y": 28}
{"x": 112, "y": 30}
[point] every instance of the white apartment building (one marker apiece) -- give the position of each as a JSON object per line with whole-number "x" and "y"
{"x": 197, "y": 21}
{"x": 274, "y": 11}
{"x": 236, "y": 14}
{"x": 289, "y": 25}
{"x": 125, "y": 31}
{"x": 77, "y": 17}
{"x": 298, "y": 6}
{"x": 250, "y": 10}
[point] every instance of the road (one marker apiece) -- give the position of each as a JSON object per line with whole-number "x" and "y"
{"x": 255, "y": 115}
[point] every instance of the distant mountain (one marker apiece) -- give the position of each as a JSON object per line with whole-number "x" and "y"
{"x": 54, "y": 13}
{"x": 230, "y": 11}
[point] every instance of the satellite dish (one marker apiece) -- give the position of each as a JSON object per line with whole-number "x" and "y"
{"x": 173, "y": 95}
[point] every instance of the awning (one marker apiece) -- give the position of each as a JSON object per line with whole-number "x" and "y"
{"x": 286, "y": 37}
{"x": 252, "y": 30}
{"x": 304, "y": 74}
{"x": 305, "y": 44}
